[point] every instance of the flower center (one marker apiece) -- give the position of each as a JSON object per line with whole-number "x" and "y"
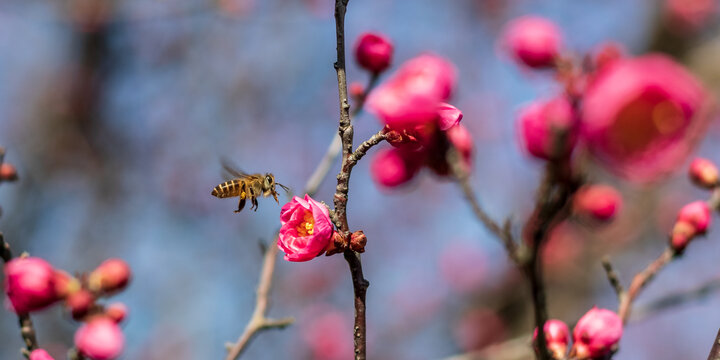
{"x": 307, "y": 226}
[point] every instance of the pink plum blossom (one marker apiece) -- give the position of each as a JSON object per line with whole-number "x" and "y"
{"x": 533, "y": 41}
{"x": 412, "y": 95}
{"x": 30, "y": 284}
{"x": 596, "y": 334}
{"x": 306, "y": 229}
{"x": 557, "y": 337}
{"x": 100, "y": 339}
{"x": 598, "y": 202}
{"x": 373, "y": 52}
{"x": 642, "y": 116}
{"x": 547, "y": 128}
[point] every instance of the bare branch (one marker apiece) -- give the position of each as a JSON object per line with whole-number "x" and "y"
{"x": 613, "y": 278}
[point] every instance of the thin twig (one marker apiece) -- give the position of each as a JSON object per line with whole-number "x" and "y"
{"x": 641, "y": 280}
{"x": 676, "y": 299}
{"x": 258, "y": 321}
{"x": 501, "y": 232}
{"x": 613, "y": 277}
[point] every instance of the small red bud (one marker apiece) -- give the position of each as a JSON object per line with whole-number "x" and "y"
{"x": 704, "y": 173}
{"x": 8, "y": 172}
{"x": 117, "y": 312}
{"x": 373, "y": 52}
{"x": 337, "y": 244}
{"x": 356, "y": 90}
{"x": 30, "y": 284}
{"x": 598, "y": 202}
{"x": 80, "y": 303}
{"x": 596, "y": 334}
{"x": 693, "y": 219}
{"x": 112, "y": 275}
{"x": 358, "y": 240}
{"x": 533, "y": 41}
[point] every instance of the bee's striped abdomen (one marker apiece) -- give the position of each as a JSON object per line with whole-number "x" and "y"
{"x": 227, "y": 189}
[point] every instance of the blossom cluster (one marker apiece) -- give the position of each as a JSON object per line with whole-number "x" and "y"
{"x": 595, "y": 336}
{"x": 32, "y": 284}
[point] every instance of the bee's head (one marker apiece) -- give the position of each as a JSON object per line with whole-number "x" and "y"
{"x": 269, "y": 181}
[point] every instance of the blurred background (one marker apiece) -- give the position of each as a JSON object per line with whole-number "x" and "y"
{"x": 117, "y": 114}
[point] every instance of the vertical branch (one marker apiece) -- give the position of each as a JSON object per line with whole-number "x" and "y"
{"x": 345, "y": 130}
{"x": 715, "y": 351}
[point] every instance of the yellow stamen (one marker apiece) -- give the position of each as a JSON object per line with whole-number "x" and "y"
{"x": 307, "y": 227}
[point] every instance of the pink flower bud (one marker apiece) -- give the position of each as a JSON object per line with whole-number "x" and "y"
{"x": 607, "y": 53}
{"x": 690, "y": 15}
{"x": 30, "y": 284}
{"x": 80, "y": 303}
{"x": 356, "y": 90}
{"x": 116, "y": 312}
{"x": 596, "y": 334}
{"x": 598, "y": 202}
{"x": 696, "y": 214}
{"x": 8, "y": 172}
{"x": 373, "y": 52}
{"x": 100, "y": 339}
{"x": 358, "y": 240}
{"x": 557, "y": 337}
{"x": 547, "y": 128}
{"x": 40, "y": 354}
{"x": 533, "y": 41}
{"x": 693, "y": 219}
{"x": 704, "y": 173}
{"x": 306, "y": 229}
{"x": 65, "y": 284}
{"x": 449, "y": 116}
{"x": 394, "y": 167}
{"x": 412, "y": 95}
{"x": 112, "y": 275}
{"x": 641, "y": 117}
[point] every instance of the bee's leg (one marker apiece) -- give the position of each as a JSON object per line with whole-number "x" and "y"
{"x": 255, "y": 202}
{"x": 274, "y": 194}
{"x": 241, "y": 205}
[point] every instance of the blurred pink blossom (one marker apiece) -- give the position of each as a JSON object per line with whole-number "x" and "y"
{"x": 557, "y": 336}
{"x": 642, "y": 116}
{"x": 394, "y": 167}
{"x": 328, "y": 335}
{"x": 306, "y": 229}
{"x": 414, "y": 92}
{"x": 40, "y": 354}
{"x": 704, "y": 173}
{"x": 598, "y": 202}
{"x": 463, "y": 267}
{"x": 547, "y": 128}
{"x": 533, "y": 41}
{"x": 449, "y": 116}
{"x": 100, "y": 339}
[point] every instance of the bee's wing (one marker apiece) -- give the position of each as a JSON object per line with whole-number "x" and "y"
{"x": 230, "y": 171}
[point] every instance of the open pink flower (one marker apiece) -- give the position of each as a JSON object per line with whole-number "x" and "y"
{"x": 100, "y": 339}
{"x": 412, "y": 95}
{"x": 596, "y": 334}
{"x": 533, "y": 41}
{"x": 306, "y": 229}
{"x": 642, "y": 116}
{"x": 30, "y": 284}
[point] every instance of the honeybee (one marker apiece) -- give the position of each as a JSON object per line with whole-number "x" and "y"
{"x": 247, "y": 186}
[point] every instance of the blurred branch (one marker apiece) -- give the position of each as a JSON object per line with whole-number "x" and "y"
{"x": 673, "y": 300}
{"x": 715, "y": 351}
{"x": 259, "y": 321}
{"x": 613, "y": 277}
{"x": 552, "y": 199}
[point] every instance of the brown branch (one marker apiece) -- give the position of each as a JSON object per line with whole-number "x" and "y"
{"x": 715, "y": 351}
{"x": 259, "y": 321}
{"x": 501, "y": 232}
{"x": 613, "y": 278}
{"x": 641, "y": 280}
